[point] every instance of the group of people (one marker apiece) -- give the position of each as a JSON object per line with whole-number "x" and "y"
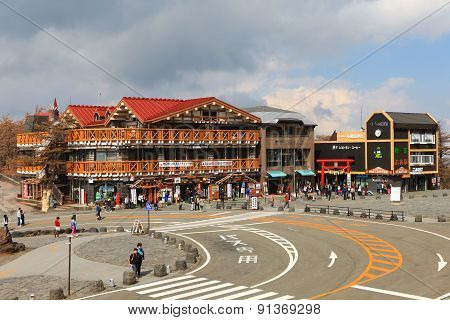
{"x": 136, "y": 259}
{"x": 73, "y": 226}
{"x": 384, "y": 188}
{"x": 20, "y": 218}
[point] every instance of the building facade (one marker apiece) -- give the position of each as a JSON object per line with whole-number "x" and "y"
{"x": 287, "y": 149}
{"x": 400, "y": 149}
{"x": 153, "y": 147}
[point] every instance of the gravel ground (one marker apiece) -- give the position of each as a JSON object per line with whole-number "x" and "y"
{"x": 118, "y": 249}
{"x": 40, "y": 286}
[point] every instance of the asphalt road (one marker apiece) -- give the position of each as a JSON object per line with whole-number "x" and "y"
{"x": 271, "y": 255}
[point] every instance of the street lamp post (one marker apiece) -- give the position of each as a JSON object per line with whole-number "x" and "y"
{"x": 70, "y": 264}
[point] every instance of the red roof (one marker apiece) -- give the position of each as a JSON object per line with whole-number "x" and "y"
{"x": 156, "y": 109}
{"x": 85, "y": 114}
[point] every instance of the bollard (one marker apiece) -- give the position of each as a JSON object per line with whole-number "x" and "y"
{"x": 442, "y": 219}
{"x": 129, "y": 278}
{"x": 180, "y": 265}
{"x": 418, "y": 218}
{"x": 160, "y": 270}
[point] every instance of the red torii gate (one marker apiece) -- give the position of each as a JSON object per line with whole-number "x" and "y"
{"x": 343, "y": 164}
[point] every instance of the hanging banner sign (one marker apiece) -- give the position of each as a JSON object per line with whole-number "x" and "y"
{"x": 175, "y": 164}
{"x": 218, "y": 163}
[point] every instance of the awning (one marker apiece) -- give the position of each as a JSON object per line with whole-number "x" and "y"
{"x": 305, "y": 173}
{"x": 276, "y": 174}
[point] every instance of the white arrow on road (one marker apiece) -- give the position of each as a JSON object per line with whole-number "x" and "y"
{"x": 333, "y": 258}
{"x": 441, "y": 263}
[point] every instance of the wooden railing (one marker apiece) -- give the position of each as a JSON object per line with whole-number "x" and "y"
{"x": 29, "y": 169}
{"x": 160, "y": 167}
{"x": 178, "y": 136}
{"x": 30, "y": 139}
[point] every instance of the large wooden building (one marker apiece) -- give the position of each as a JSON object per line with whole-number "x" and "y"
{"x": 148, "y": 146}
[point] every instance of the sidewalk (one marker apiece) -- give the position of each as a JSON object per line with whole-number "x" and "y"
{"x": 53, "y": 260}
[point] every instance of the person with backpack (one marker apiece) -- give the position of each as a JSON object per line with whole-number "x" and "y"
{"x": 57, "y": 227}
{"x": 135, "y": 261}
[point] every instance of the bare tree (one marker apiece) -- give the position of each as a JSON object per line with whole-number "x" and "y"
{"x": 444, "y": 156}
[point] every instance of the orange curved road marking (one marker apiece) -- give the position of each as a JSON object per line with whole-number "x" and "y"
{"x": 384, "y": 258}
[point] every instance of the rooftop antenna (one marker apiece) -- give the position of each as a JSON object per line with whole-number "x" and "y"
{"x": 360, "y": 119}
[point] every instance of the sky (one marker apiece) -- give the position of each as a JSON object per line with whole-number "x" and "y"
{"x": 247, "y": 53}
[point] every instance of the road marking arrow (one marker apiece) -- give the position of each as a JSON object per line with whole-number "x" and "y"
{"x": 441, "y": 263}
{"x": 333, "y": 258}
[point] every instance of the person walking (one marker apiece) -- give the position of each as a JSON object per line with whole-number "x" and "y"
{"x": 135, "y": 261}
{"x": 352, "y": 191}
{"x": 57, "y": 224}
{"x": 73, "y": 226}
{"x": 19, "y": 215}
{"x": 5, "y": 221}
{"x": 22, "y": 218}
{"x": 272, "y": 200}
{"x": 98, "y": 210}
{"x": 140, "y": 250}
{"x": 286, "y": 200}
{"x": 328, "y": 188}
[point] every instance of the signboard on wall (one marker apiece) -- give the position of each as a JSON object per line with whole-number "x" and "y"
{"x": 400, "y": 155}
{"x": 217, "y": 163}
{"x": 378, "y": 170}
{"x": 175, "y": 164}
{"x": 378, "y": 127}
{"x": 379, "y": 156}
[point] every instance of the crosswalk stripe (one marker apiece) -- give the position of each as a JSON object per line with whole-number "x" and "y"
{"x": 284, "y": 298}
{"x": 166, "y": 293}
{"x": 240, "y": 294}
{"x": 219, "y": 293}
{"x": 152, "y": 284}
{"x": 196, "y": 292}
{"x": 262, "y": 296}
{"x": 173, "y": 285}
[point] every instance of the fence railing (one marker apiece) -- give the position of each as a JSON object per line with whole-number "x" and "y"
{"x": 160, "y": 167}
{"x": 365, "y": 213}
{"x": 172, "y": 136}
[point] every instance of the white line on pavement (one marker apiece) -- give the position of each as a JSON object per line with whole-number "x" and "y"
{"x": 391, "y": 293}
{"x": 188, "y": 288}
{"x": 169, "y": 286}
{"x": 157, "y": 283}
{"x": 240, "y": 294}
{"x": 443, "y": 296}
{"x": 382, "y": 223}
{"x": 219, "y": 214}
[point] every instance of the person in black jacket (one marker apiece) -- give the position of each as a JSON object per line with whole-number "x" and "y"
{"x": 136, "y": 262}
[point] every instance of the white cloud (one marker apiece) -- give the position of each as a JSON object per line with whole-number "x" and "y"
{"x": 240, "y": 51}
{"x": 337, "y": 107}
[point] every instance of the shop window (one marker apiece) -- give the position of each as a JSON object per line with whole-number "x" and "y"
{"x": 273, "y": 157}
{"x": 288, "y": 157}
{"x": 421, "y": 159}
{"x": 301, "y": 157}
{"x": 422, "y": 138}
{"x": 100, "y": 155}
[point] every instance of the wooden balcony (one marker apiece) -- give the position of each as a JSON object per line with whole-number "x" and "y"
{"x": 160, "y": 167}
{"x": 129, "y": 136}
{"x": 29, "y": 170}
{"x": 32, "y": 139}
